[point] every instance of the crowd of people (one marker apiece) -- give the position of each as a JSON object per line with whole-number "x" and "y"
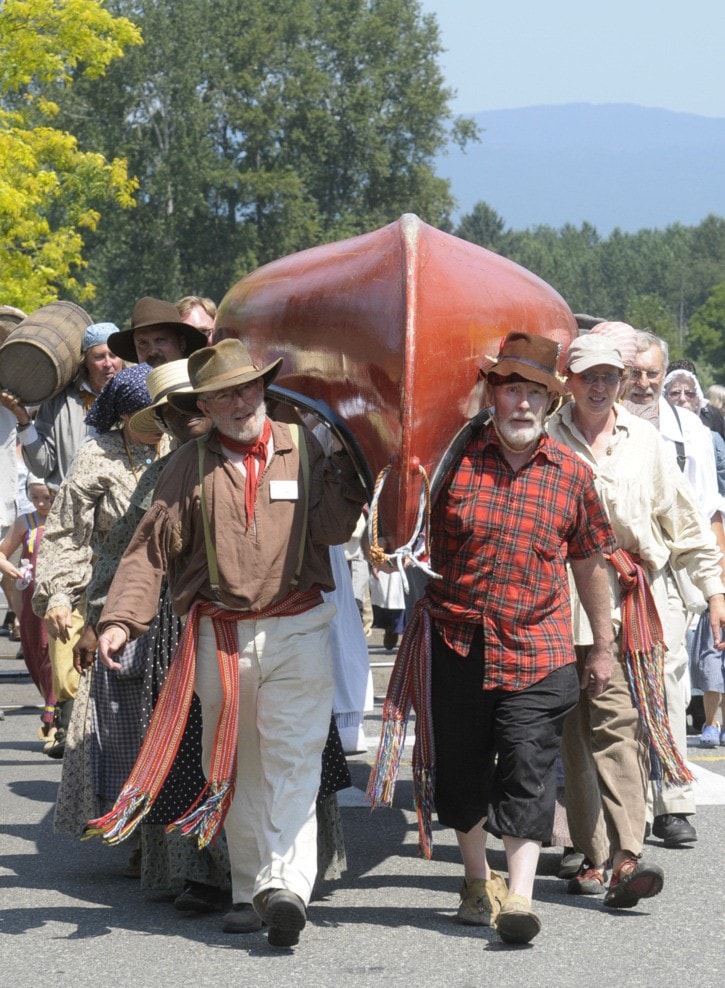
{"x": 196, "y": 596}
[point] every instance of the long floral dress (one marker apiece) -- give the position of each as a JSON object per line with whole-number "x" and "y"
{"x": 102, "y": 740}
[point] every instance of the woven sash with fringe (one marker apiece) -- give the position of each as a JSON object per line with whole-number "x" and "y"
{"x": 160, "y": 746}
{"x": 643, "y": 648}
{"x": 410, "y": 685}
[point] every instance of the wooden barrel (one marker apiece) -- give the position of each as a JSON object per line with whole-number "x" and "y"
{"x": 42, "y": 355}
{"x": 10, "y": 318}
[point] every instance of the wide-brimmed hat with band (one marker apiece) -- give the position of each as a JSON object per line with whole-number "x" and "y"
{"x": 531, "y": 357}
{"x": 225, "y": 365}
{"x": 161, "y": 382}
{"x": 154, "y": 313}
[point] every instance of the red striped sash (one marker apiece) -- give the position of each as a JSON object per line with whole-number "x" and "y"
{"x": 161, "y": 744}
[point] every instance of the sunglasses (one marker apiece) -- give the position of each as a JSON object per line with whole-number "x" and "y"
{"x": 678, "y": 393}
{"x": 610, "y": 378}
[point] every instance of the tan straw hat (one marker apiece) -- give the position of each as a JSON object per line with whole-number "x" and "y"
{"x": 224, "y": 365}
{"x": 161, "y": 382}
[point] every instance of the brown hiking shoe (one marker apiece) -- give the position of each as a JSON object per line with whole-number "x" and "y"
{"x": 631, "y": 881}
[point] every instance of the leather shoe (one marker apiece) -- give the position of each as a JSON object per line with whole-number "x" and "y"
{"x": 674, "y": 830}
{"x": 199, "y": 898}
{"x": 242, "y": 919}
{"x": 284, "y": 913}
{"x": 517, "y": 922}
{"x": 571, "y": 862}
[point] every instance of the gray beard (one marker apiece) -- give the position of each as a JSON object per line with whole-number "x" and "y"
{"x": 519, "y": 438}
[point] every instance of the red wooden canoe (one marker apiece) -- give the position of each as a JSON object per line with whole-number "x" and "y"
{"x": 389, "y": 330}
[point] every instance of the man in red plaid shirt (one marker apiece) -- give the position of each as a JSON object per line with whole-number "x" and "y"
{"x": 514, "y": 510}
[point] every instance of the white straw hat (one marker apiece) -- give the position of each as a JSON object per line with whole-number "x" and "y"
{"x": 161, "y": 382}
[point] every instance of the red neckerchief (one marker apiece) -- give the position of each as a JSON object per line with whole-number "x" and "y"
{"x": 254, "y": 462}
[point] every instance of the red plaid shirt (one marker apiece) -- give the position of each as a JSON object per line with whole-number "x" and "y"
{"x": 500, "y": 540}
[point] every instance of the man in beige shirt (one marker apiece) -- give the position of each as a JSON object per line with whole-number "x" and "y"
{"x": 654, "y": 514}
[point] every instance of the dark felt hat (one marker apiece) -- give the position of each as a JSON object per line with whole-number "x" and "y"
{"x": 154, "y": 313}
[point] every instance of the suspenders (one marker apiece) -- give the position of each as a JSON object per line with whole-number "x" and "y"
{"x": 299, "y": 441}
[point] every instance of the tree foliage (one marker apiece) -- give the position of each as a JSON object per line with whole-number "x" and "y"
{"x": 50, "y": 189}
{"x": 261, "y": 127}
{"x": 665, "y": 280}
{"x": 707, "y": 332}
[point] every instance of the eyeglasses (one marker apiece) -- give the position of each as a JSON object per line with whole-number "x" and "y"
{"x": 651, "y": 375}
{"x": 243, "y": 391}
{"x": 610, "y": 378}
{"x": 678, "y": 393}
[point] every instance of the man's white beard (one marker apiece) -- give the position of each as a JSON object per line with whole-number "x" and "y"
{"x": 518, "y": 436}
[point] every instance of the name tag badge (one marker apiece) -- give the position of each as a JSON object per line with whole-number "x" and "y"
{"x": 283, "y": 490}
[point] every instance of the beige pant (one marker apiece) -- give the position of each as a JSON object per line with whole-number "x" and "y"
{"x": 65, "y": 677}
{"x": 674, "y": 622}
{"x": 285, "y": 705}
{"x": 606, "y": 766}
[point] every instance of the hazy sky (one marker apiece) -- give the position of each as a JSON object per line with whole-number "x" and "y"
{"x": 657, "y": 53}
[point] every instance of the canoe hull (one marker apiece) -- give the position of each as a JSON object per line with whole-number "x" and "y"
{"x": 389, "y": 329}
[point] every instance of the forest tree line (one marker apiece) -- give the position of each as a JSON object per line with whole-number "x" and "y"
{"x": 671, "y": 281}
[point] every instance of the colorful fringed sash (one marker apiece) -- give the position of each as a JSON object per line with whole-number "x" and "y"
{"x": 161, "y": 744}
{"x": 410, "y": 685}
{"x": 643, "y": 650}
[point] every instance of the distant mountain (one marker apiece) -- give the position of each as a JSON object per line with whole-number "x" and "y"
{"x": 615, "y": 165}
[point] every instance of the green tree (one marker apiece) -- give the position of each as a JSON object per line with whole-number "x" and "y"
{"x": 483, "y": 226}
{"x": 650, "y": 312}
{"x": 706, "y": 341}
{"x": 258, "y": 128}
{"x": 50, "y": 189}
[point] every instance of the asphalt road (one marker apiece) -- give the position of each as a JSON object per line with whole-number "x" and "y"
{"x": 69, "y": 919}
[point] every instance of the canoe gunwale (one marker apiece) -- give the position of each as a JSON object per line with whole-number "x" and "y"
{"x": 321, "y": 410}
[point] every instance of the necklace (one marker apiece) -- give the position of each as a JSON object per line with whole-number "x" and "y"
{"x": 596, "y": 442}
{"x": 508, "y": 446}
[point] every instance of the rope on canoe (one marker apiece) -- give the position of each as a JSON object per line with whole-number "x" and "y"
{"x": 413, "y": 552}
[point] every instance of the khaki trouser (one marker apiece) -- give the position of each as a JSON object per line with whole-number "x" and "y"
{"x": 606, "y": 767}
{"x": 65, "y": 677}
{"x": 675, "y": 799}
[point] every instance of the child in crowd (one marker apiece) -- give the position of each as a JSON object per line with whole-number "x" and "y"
{"x": 28, "y": 532}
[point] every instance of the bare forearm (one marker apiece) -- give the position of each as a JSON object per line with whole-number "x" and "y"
{"x": 592, "y": 584}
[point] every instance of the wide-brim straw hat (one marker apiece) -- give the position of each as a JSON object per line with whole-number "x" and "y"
{"x": 224, "y": 365}
{"x": 161, "y": 382}
{"x": 531, "y": 357}
{"x": 154, "y": 313}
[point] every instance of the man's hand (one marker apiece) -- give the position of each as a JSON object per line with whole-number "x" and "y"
{"x": 717, "y": 619}
{"x": 84, "y": 652}
{"x": 592, "y": 583}
{"x": 597, "y": 670}
{"x": 58, "y": 623}
{"x": 112, "y": 642}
